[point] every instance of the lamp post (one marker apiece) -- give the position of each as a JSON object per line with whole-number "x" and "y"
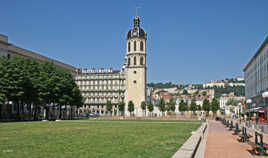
{"x": 249, "y": 101}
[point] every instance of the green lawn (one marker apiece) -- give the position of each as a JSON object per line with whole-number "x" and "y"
{"x": 94, "y": 139}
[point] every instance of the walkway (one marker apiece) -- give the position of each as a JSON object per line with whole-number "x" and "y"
{"x": 222, "y": 144}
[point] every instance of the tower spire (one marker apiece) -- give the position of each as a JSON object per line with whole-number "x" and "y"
{"x": 137, "y": 7}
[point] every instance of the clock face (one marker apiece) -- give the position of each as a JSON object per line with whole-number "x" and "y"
{"x": 135, "y": 33}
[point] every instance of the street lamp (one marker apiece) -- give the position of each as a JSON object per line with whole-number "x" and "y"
{"x": 249, "y": 101}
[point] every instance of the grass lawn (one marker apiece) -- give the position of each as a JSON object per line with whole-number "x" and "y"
{"x": 94, "y": 139}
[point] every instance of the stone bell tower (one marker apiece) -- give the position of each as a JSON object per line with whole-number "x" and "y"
{"x": 136, "y": 67}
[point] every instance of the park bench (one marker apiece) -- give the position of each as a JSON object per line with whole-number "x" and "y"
{"x": 258, "y": 147}
{"x": 244, "y": 137}
{"x": 237, "y": 130}
{"x": 231, "y": 126}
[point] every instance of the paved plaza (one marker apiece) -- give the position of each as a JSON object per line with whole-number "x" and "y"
{"x": 221, "y": 143}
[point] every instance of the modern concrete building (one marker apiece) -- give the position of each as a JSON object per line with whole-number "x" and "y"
{"x": 127, "y": 84}
{"x": 9, "y": 50}
{"x": 256, "y": 79}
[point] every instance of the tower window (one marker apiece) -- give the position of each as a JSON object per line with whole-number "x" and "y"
{"x": 135, "y": 45}
{"x": 141, "y": 60}
{"x": 134, "y": 81}
{"x": 128, "y": 61}
{"x": 135, "y": 72}
{"x": 141, "y": 46}
{"x": 135, "y": 60}
{"x": 128, "y": 46}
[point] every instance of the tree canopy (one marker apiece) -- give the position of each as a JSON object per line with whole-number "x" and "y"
{"x": 193, "y": 106}
{"x": 183, "y": 106}
{"x": 130, "y": 106}
{"x": 232, "y": 102}
{"x": 162, "y": 105}
{"x": 26, "y": 81}
{"x": 215, "y": 105}
{"x": 206, "y": 105}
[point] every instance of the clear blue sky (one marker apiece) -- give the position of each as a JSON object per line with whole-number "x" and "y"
{"x": 188, "y": 40}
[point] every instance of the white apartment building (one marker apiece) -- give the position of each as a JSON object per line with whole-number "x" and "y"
{"x": 99, "y": 86}
{"x": 256, "y": 77}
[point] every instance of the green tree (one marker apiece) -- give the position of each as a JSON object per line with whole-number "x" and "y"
{"x": 171, "y": 105}
{"x": 185, "y": 92}
{"x": 215, "y": 106}
{"x": 130, "y": 107}
{"x": 121, "y": 107}
{"x": 206, "y": 106}
{"x": 193, "y": 106}
{"x": 183, "y": 106}
{"x": 199, "y": 108}
{"x": 150, "y": 107}
{"x": 162, "y": 106}
{"x": 28, "y": 82}
{"x": 109, "y": 106}
{"x": 232, "y": 102}
{"x": 143, "y": 107}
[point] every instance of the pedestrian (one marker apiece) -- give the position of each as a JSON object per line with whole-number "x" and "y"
{"x": 257, "y": 119}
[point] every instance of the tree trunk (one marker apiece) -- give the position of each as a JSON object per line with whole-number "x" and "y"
{"x": 60, "y": 112}
{"x": 71, "y": 112}
{"x": 35, "y": 112}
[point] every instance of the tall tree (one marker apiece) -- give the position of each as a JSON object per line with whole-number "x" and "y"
{"x": 215, "y": 106}
{"x": 162, "y": 106}
{"x": 150, "y": 107}
{"x": 121, "y": 107}
{"x": 171, "y": 105}
{"x": 232, "y": 102}
{"x": 109, "y": 106}
{"x": 143, "y": 107}
{"x": 193, "y": 106}
{"x": 206, "y": 106}
{"x": 130, "y": 107}
{"x": 183, "y": 106}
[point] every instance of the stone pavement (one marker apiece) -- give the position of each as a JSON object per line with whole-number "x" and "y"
{"x": 222, "y": 144}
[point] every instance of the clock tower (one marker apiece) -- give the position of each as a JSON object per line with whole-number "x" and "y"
{"x": 136, "y": 67}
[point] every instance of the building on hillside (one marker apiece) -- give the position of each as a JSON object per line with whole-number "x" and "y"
{"x": 166, "y": 96}
{"x": 9, "y": 50}
{"x": 239, "y": 78}
{"x": 236, "y": 84}
{"x": 131, "y": 79}
{"x": 256, "y": 80}
{"x": 214, "y": 84}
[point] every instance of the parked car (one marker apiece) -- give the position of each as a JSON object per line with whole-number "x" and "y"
{"x": 94, "y": 115}
{"x": 85, "y": 115}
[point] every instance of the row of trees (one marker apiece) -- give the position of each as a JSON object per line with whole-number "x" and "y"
{"x": 27, "y": 82}
{"x": 168, "y": 107}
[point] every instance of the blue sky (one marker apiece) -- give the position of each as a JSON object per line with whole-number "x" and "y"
{"x": 189, "y": 41}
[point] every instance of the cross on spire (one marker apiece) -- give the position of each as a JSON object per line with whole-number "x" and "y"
{"x": 137, "y": 7}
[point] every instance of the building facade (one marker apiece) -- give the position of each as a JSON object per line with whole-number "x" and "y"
{"x": 100, "y": 86}
{"x": 9, "y": 50}
{"x": 256, "y": 79}
{"x": 127, "y": 84}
